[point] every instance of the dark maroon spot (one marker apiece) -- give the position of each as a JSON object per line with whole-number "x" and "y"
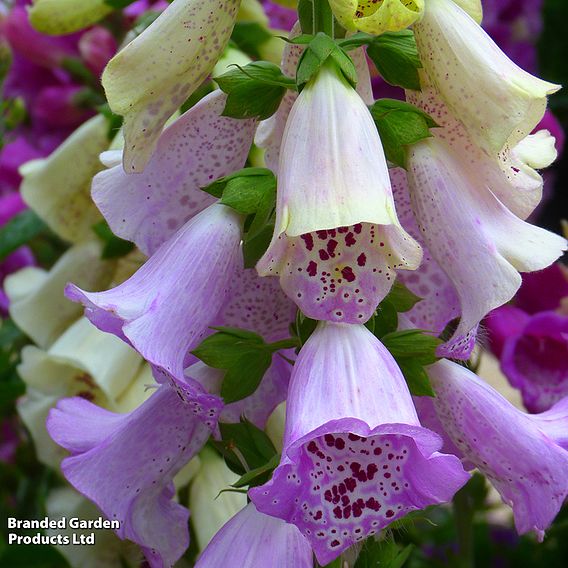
{"x": 371, "y": 470}
{"x": 389, "y": 513}
{"x": 354, "y": 466}
{"x": 350, "y": 239}
{"x": 309, "y": 240}
{"x": 327, "y": 495}
{"x": 318, "y": 516}
{"x": 362, "y": 259}
{"x": 339, "y": 443}
{"x": 342, "y": 229}
{"x": 312, "y": 447}
{"x": 377, "y": 451}
{"x": 323, "y": 254}
{"x": 347, "y": 273}
{"x": 331, "y": 246}
{"x": 322, "y": 235}
{"x": 347, "y": 512}
{"x": 342, "y": 489}
{"x": 337, "y": 512}
{"x": 358, "y": 228}
{"x": 312, "y": 268}
{"x": 373, "y": 504}
{"x": 350, "y": 483}
{"x": 329, "y": 440}
{"x": 334, "y": 543}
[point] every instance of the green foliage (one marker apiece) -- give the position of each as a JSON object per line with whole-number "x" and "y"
{"x": 383, "y": 554}
{"x": 18, "y": 231}
{"x": 394, "y": 54}
{"x": 254, "y": 90}
{"x": 320, "y": 50}
{"x": 249, "y": 36}
{"x": 400, "y": 124}
{"x": 251, "y": 192}
{"x": 113, "y": 247}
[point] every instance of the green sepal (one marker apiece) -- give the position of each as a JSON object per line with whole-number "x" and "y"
{"x": 254, "y": 90}
{"x": 259, "y": 475}
{"x": 400, "y": 124}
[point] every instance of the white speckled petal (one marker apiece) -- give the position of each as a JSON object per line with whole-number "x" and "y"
{"x": 153, "y": 75}
{"x": 476, "y": 240}
{"x": 60, "y": 193}
{"x": 498, "y": 102}
{"x": 198, "y": 148}
{"x": 59, "y": 17}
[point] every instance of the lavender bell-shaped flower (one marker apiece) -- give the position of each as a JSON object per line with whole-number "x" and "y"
{"x": 524, "y": 456}
{"x": 125, "y": 463}
{"x": 355, "y": 456}
{"x": 337, "y": 240}
{"x": 477, "y": 241}
{"x": 250, "y": 538}
{"x": 165, "y": 308}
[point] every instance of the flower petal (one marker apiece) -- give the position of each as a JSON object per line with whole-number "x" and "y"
{"x": 155, "y": 73}
{"x": 59, "y": 17}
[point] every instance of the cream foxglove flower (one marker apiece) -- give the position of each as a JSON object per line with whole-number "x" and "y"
{"x": 377, "y": 16}
{"x": 37, "y": 303}
{"x": 498, "y": 102}
{"x": 58, "y": 187}
{"x": 60, "y": 17}
{"x": 337, "y": 239}
{"x": 148, "y": 80}
{"x": 210, "y": 508}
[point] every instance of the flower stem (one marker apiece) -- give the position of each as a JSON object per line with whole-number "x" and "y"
{"x": 323, "y": 18}
{"x": 463, "y": 514}
{"x": 284, "y": 344}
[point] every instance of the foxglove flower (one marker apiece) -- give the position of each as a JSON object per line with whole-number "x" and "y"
{"x": 270, "y": 131}
{"x": 377, "y": 17}
{"x": 59, "y": 17}
{"x": 37, "y": 303}
{"x": 250, "y": 537}
{"x": 499, "y": 103}
{"x": 478, "y": 242}
{"x": 125, "y": 463}
{"x": 352, "y": 463}
{"x": 61, "y": 194}
{"x": 148, "y": 80}
{"x": 198, "y": 148}
{"x": 210, "y": 508}
{"x": 164, "y": 309}
{"x": 525, "y": 457}
{"x": 337, "y": 240}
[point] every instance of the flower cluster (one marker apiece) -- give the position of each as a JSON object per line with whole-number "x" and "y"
{"x": 365, "y": 209}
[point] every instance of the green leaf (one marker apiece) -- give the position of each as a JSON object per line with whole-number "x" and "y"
{"x": 255, "y": 90}
{"x": 416, "y": 377}
{"x": 252, "y": 443}
{"x": 396, "y": 58}
{"x": 18, "y": 231}
{"x": 402, "y": 298}
{"x": 114, "y": 247}
{"x": 385, "y": 319}
{"x": 221, "y": 350}
{"x": 383, "y": 554}
{"x": 400, "y": 124}
{"x": 118, "y": 4}
{"x": 244, "y": 377}
{"x": 258, "y": 476}
{"x": 321, "y": 49}
{"x": 255, "y": 246}
{"x": 248, "y": 36}
{"x": 248, "y": 195}
{"x": 414, "y": 344}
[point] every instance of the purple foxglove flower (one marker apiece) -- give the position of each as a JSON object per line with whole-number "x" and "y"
{"x": 499, "y": 103}
{"x": 476, "y": 240}
{"x": 337, "y": 240}
{"x": 525, "y": 457}
{"x": 12, "y": 156}
{"x": 125, "y": 463}
{"x": 250, "y": 538}
{"x": 281, "y": 17}
{"x": 97, "y": 46}
{"x": 198, "y": 148}
{"x": 270, "y": 131}
{"x": 41, "y": 49}
{"x": 164, "y": 309}
{"x": 544, "y": 290}
{"x": 352, "y": 463}
{"x": 534, "y": 353}
{"x": 58, "y": 106}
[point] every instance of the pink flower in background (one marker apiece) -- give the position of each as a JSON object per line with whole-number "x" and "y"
{"x": 281, "y": 18}
{"x": 531, "y": 338}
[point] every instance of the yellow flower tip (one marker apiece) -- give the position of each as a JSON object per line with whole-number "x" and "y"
{"x": 377, "y": 16}
{"x": 58, "y": 17}
{"x": 472, "y": 7}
